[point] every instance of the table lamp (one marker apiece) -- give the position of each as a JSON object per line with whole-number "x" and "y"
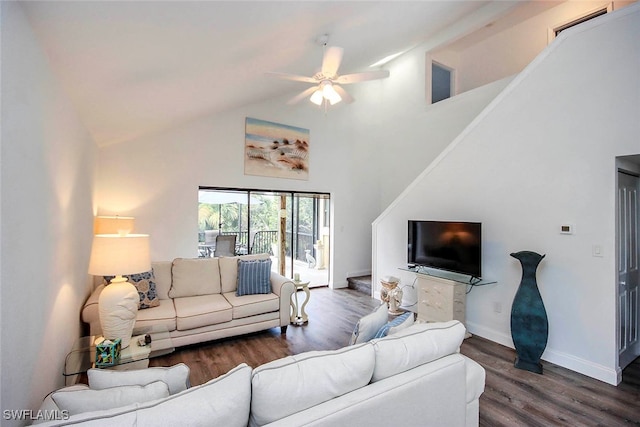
{"x": 113, "y": 224}
{"x": 117, "y": 255}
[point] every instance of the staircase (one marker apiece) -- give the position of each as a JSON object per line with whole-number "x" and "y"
{"x": 360, "y": 284}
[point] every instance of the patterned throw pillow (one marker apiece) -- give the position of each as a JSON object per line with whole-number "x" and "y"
{"x": 254, "y": 277}
{"x": 146, "y": 286}
{"x": 403, "y": 321}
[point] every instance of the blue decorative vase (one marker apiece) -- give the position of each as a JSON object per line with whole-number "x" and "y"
{"x": 529, "y": 324}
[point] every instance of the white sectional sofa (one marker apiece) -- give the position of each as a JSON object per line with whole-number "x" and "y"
{"x": 415, "y": 377}
{"x": 197, "y": 301}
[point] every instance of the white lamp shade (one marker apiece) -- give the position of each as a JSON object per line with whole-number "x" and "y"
{"x": 113, "y": 224}
{"x": 116, "y": 255}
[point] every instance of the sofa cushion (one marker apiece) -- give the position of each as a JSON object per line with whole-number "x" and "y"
{"x": 162, "y": 315}
{"x": 78, "y": 401}
{"x": 195, "y": 276}
{"x": 295, "y": 383}
{"x": 250, "y": 305}
{"x": 223, "y": 401}
{"x": 203, "y": 310}
{"x": 176, "y": 377}
{"x": 229, "y": 270}
{"x": 162, "y": 274}
{"x": 402, "y": 321}
{"x": 145, "y": 284}
{"x": 416, "y": 345}
{"x": 254, "y": 277}
{"x": 368, "y": 325}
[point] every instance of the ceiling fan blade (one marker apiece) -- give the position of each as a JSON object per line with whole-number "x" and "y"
{"x": 302, "y": 95}
{"x": 293, "y": 77}
{"x": 362, "y": 77}
{"x": 331, "y": 61}
{"x": 343, "y": 94}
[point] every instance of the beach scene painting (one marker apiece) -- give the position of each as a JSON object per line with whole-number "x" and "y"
{"x": 276, "y": 150}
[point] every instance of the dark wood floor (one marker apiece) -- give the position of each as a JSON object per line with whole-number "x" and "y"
{"x": 512, "y": 397}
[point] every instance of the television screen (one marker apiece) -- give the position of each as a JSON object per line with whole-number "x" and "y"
{"x": 452, "y": 246}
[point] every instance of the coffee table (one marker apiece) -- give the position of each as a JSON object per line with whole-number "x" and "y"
{"x": 82, "y": 356}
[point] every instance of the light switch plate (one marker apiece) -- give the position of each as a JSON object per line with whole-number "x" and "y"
{"x": 597, "y": 251}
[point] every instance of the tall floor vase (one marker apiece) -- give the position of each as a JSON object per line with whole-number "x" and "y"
{"x": 529, "y": 324}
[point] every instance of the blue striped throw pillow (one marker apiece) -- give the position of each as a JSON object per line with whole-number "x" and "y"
{"x": 382, "y": 332}
{"x": 254, "y": 277}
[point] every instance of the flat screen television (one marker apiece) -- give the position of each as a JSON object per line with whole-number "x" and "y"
{"x": 446, "y": 245}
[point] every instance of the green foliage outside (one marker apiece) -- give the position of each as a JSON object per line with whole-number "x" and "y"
{"x": 264, "y": 215}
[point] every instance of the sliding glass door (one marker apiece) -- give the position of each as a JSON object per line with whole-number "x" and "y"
{"x": 293, "y": 227}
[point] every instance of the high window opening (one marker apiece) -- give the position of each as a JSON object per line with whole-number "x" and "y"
{"x": 442, "y": 79}
{"x": 557, "y": 29}
{"x": 293, "y": 227}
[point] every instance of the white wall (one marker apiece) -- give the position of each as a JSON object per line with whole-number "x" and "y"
{"x": 542, "y": 154}
{"x": 156, "y": 178}
{"x": 509, "y": 51}
{"x": 363, "y": 154}
{"x": 46, "y": 181}
{"x": 412, "y": 133}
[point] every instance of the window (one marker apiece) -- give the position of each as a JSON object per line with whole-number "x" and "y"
{"x": 441, "y": 82}
{"x": 254, "y": 217}
{"x": 556, "y": 30}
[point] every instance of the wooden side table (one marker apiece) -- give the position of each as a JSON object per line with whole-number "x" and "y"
{"x": 298, "y": 315}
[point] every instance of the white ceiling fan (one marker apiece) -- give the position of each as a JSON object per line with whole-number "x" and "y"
{"x": 327, "y": 82}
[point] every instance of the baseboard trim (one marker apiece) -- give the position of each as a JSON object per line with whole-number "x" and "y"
{"x": 566, "y": 360}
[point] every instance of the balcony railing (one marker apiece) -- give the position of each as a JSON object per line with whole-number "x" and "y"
{"x": 263, "y": 242}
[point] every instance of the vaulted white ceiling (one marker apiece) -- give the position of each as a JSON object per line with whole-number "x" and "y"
{"x": 136, "y": 67}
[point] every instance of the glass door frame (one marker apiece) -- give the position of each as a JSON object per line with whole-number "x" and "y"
{"x": 320, "y": 230}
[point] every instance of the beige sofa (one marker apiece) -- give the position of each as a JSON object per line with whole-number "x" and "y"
{"x": 198, "y": 302}
{"x": 415, "y": 377}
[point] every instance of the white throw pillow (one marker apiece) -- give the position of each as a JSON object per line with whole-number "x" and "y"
{"x": 78, "y": 401}
{"x": 414, "y": 346}
{"x": 50, "y": 407}
{"x": 295, "y": 383}
{"x": 367, "y": 326}
{"x": 223, "y": 401}
{"x": 176, "y": 377}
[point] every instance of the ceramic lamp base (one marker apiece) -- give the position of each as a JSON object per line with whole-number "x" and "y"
{"x": 118, "y": 307}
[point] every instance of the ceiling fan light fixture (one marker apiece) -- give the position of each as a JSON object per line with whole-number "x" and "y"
{"x": 317, "y": 97}
{"x": 330, "y": 94}
{"x": 327, "y": 84}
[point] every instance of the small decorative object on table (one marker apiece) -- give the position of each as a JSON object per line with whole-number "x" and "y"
{"x": 107, "y": 352}
{"x": 144, "y": 340}
{"x": 391, "y": 294}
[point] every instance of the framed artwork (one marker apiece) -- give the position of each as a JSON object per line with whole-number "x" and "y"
{"x": 276, "y": 150}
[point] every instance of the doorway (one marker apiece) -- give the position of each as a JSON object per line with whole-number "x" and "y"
{"x": 293, "y": 227}
{"x": 628, "y": 260}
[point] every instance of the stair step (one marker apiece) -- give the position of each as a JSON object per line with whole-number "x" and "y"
{"x": 360, "y": 283}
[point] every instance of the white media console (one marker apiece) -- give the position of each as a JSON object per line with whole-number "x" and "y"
{"x": 442, "y": 295}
